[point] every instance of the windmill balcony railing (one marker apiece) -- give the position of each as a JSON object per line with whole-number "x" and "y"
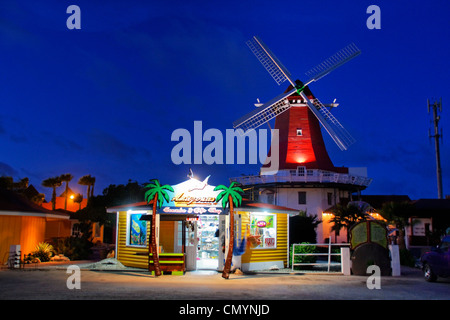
{"x": 304, "y": 176}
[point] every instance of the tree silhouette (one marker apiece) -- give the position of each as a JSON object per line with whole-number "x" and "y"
{"x": 52, "y": 183}
{"x": 397, "y": 213}
{"x": 346, "y": 217}
{"x": 67, "y": 177}
{"x": 88, "y": 181}
{"x": 78, "y": 199}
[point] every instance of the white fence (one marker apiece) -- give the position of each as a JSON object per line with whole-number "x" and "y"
{"x": 303, "y": 175}
{"x": 342, "y": 254}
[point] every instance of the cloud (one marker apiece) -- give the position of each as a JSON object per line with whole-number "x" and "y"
{"x": 7, "y": 170}
{"x": 108, "y": 145}
{"x": 61, "y": 141}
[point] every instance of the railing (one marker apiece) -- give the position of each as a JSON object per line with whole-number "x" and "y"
{"x": 305, "y": 176}
{"x": 328, "y": 254}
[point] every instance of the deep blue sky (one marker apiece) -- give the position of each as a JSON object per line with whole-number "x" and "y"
{"x": 105, "y": 99}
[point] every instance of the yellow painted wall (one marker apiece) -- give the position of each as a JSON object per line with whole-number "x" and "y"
{"x": 24, "y": 230}
{"x": 266, "y": 255}
{"x": 167, "y": 235}
{"x": 127, "y": 254}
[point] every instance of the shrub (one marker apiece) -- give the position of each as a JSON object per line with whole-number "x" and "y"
{"x": 75, "y": 248}
{"x": 336, "y": 258}
{"x": 303, "y": 259}
{"x": 63, "y": 246}
{"x": 43, "y": 251}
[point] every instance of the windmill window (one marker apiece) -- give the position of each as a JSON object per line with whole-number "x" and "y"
{"x": 330, "y": 198}
{"x": 302, "y": 197}
{"x": 299, "y": 132}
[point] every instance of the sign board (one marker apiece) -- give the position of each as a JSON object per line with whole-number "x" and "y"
{"x": 368, "y": 231}
{"x": 358, "y": 235}
{"x": 193, "y": 197}
{"x": 421, "y": 226}
{"x": 193, "y": 210}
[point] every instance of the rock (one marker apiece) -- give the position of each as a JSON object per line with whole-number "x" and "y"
{"x": 238, "y": 271}
{"x": 107, "y": 264}
{"x": 59, "y": 258}
{"x": 274, "y": 268}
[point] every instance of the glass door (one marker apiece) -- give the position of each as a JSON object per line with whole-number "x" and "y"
{"x": 208, "y": 242}
{"x": 191, "y": 245}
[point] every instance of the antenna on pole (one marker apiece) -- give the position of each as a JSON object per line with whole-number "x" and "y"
{"x": 436, "y": 107}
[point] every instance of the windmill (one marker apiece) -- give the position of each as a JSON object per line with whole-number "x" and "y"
{"x": 281, "y": 103}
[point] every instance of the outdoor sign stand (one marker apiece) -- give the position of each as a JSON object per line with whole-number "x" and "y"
{"x": 14, "y": 256}
{"x": 369, "y": 245}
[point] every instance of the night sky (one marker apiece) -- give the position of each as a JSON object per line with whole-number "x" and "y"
{"x": 105, "y": 99}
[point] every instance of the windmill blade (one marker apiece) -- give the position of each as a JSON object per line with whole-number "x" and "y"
{"x": 333, "y": 62}
{"x": 337, "y": 132}
{"x": 270, "y": 62}
{"x": 265, "y": 113}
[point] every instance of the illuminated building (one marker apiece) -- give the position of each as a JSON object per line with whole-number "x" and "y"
{"x": 306, "y": 180}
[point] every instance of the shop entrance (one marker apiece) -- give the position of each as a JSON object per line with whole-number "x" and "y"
{"x": 201, "y": 238}
{"x": 208, "y": 234}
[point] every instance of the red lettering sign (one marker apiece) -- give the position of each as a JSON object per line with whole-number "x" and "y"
{"x": 261, "y": 224}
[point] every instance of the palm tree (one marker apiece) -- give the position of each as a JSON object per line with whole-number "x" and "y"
{"x": 67, "y": 177}
{"x": 346, "y": 217}
{"x": 88, "y": 181}
{"x": 78, "y": 199}
{"x": 84, "y": 181}
{"x": 398, "y": 213}
{"x": 38, "y": 199}
{"x": 158, "y": 194}
{"x": 52, "y": 183}
{"x": 229, "y": 196}
{"x": 92, "y": 180}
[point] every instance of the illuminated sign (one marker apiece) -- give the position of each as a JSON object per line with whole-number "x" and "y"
{"x": 184, "y": 199}
{"x": 261, "y": 224}
{"x": 192, "y": 210}
{"x": 193, "y": 197}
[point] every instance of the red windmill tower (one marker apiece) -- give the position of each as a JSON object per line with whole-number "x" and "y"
{"x": 300, "y": 137}
{"x": 304, "y": 163}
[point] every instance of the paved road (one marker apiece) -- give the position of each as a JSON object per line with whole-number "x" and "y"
{"x": 125, "y": 285}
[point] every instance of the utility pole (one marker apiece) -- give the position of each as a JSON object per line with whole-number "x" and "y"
{"x": 437, "y": 106}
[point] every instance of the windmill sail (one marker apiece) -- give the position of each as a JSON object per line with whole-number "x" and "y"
{"x": 333, "y": 62}
{"x": 280, "y": 103}
{"x": 265, "y": 113}
{"x": 334, "y": 128}
{"x": 270, "y": 62}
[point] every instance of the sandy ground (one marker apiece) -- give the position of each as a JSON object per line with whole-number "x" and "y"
{"x": 114, "y": 281}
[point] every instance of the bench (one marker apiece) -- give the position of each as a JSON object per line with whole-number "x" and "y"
{"x": 169, "y": 263}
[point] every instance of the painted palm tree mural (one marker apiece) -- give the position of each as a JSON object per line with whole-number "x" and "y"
{"x": 157, "y": 193}
{"x": 230, "y": 196}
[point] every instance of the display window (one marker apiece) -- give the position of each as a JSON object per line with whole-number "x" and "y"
{"x": 136, "y": 230}
{"x": 263, "y": 231}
